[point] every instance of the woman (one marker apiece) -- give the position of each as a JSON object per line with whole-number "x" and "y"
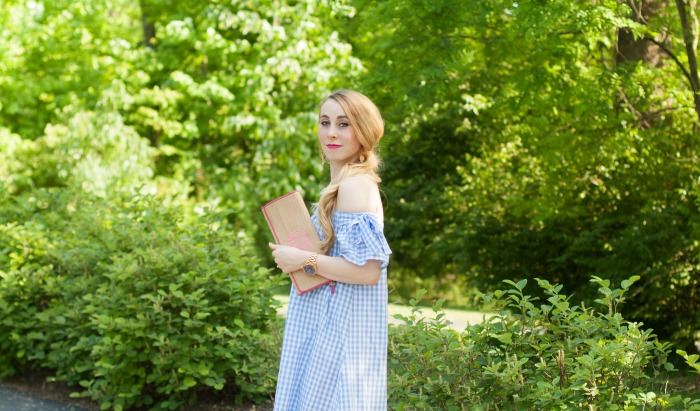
{"x": 335, "y": 337}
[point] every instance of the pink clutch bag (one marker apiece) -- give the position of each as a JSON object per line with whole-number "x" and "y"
{"x": 291, "y": 224}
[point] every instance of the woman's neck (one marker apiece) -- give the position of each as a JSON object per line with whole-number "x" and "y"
{"x": 336, "y": 169}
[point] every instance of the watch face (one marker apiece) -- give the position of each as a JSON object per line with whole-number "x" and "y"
{"x": 309, "y": 269}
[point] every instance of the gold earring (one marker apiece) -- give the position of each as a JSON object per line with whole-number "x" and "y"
{"x": 362, "y": 158}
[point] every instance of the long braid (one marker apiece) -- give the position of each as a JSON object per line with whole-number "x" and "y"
{"x": 326, "y": 206}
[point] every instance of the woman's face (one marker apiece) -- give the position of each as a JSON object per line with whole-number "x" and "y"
{"x": 336, "y": 135}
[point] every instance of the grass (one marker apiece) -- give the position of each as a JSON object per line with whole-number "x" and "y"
{"x": 458, "y": 318}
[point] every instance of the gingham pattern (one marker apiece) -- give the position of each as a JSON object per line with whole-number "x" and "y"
{"x": 335, "y": 345}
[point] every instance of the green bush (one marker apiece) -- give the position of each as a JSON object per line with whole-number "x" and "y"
{"x": 92, "y": 150}
{"x": 555, "y": 356}
{"x": 132, "y": 304}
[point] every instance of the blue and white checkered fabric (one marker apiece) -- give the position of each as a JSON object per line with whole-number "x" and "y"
{"x": 335, "y": 345}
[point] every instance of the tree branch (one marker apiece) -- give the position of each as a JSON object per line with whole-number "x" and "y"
{"x": 666, "y": 50}
{"x": 637, "y": 11}
{"x": 642, "y": 118}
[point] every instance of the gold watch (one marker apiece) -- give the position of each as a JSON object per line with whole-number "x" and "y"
{"x": 310, "y": 267}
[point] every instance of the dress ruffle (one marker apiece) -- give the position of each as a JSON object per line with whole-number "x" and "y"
{"x": 361, "y": 238}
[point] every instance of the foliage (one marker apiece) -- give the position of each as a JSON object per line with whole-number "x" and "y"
{"x": 549, "y": 356}
{"x": 524, "y": 144}
{"x": 527, "y": 139}
{"x": 225, "y": 94}
{"x": 94, "y": 151}
{"x": 58, "y": 57}
{"x": 132, "y": 304}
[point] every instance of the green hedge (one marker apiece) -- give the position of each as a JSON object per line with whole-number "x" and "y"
{"x": 551, "y": 356}
{"x": 130, "y": 303}
{"x": 138, "y": 309}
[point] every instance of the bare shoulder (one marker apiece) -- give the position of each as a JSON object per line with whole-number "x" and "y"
{"x": 359, "y": 194}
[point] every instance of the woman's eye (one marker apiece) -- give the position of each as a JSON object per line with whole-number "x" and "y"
{"x": 325, "y": 122}
{"x": 344, "y": 124}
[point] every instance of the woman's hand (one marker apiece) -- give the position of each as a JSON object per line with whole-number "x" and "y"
{"x": 288, "y": 259}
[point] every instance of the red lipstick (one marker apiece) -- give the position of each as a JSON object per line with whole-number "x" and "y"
{"x": 333, "y": 146}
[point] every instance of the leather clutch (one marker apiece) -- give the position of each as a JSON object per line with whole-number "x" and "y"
{"x": 290, "y": 224}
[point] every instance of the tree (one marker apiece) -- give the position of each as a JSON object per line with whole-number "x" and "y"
{"x": 224, "y": 93}
{"x": 229, "y": 98}
{"x": 687, "y": 14}
{"x": 58, "y": 58}
{"x": 522, "y": 146}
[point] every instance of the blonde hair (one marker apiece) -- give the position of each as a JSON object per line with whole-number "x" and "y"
{"x": 367, "y": 123}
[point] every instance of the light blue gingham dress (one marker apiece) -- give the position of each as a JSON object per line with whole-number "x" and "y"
{"x": 335, "y": 343}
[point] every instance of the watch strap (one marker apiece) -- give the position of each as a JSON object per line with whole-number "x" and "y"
{"x": 311, "y": 261}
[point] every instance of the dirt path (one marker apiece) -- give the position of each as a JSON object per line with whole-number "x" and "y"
{"x": 14, "y": 398}
{"x": 33, "y": 393}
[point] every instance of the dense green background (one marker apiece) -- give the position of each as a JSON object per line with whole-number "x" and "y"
{"x": 534, "y": 139}
{"x": 541, "y": 139}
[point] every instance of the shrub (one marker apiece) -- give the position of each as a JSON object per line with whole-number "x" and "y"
{"x": 136, "y": 307}
{"x": 552, "y": 356}
{"x": 93, "y": 151}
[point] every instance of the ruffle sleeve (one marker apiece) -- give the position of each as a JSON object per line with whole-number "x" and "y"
{"x": 361, "y": 238}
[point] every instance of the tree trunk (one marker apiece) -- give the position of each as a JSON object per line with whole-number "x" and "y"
{"x": 149, "y": 30}
{"x": 631, "y": 49}
{"x": 689, "y": 22}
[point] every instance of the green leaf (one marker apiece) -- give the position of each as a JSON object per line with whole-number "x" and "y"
{"x": 203, "y": 369}
{"x": 189, "y": 382}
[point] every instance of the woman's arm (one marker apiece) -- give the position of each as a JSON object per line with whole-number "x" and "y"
{"x": 290, "y": 259}
{"x": 357, "y": 194}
